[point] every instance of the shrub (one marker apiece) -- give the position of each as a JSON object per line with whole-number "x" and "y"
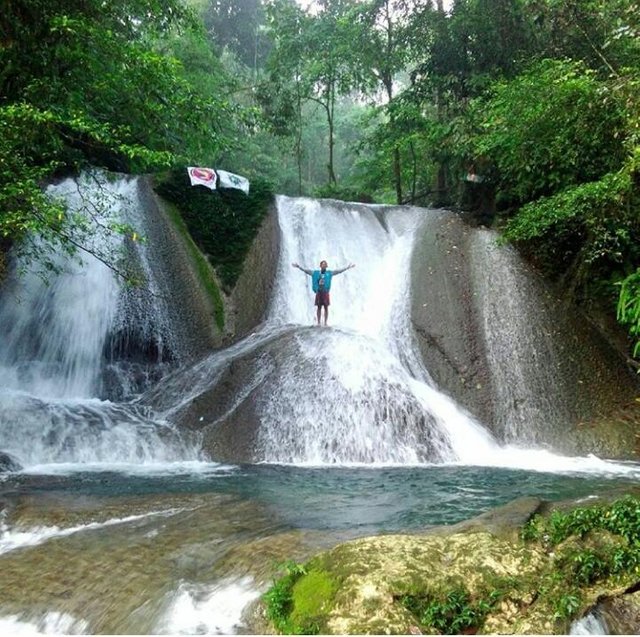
{"x": 223, "y": 223}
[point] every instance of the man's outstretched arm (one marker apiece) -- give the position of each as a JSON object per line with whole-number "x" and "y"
{"x": 309, "y": 272}
{"x": 341, "y": 270}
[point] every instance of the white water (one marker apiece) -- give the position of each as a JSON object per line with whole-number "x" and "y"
{"x": 12, "y": 539}
{"x": 207, "y": 610}
{"x": 51, "y": 623}
{"x": 356, "y": 391}
{"x": 54, "y": 334}
{"x": 519, "y": 328}
{"x": 590, "y": 624}
{"x": 54, "y": 330}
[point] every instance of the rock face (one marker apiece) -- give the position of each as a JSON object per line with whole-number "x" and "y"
{"x": 251, "y": 297}
{"x": 621, "y": 615}
{"x": 247, "y": 305}
{"x": 444, "y": 315}
{"x": 497, "y": 339}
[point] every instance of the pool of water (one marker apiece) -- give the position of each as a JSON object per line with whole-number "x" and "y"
{"x": 186, "y": 547}
{"x": 371, "y": 500}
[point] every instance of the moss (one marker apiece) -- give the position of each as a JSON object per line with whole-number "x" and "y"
{"x": 312, "y": 596}
{"x": 202, "y": 266}
{"x": 223, "y": 223}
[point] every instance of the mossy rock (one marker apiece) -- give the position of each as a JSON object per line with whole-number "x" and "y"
{"x": 468, "y": 582}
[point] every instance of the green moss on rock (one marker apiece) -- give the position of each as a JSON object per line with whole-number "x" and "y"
{"x": 471, "y": 581}
{"x": 223, "y": 223}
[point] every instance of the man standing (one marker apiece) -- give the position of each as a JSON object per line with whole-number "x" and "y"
{"x": 321, "y": 284}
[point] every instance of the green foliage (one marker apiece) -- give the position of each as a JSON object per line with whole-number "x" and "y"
{"x": 451, "y": 611}
{"x": 567, "y": 605}
{"x": 628, "y": 311}
{"x": 312, "y": 596}
{"x": 300, "y": 598}
{"x": 549, "y": 128}
{"x": 595, "y": 558}
{"x": 279, "y": 598}
{"x": 592, "y": 228}
{"x": 223, "y": 223}
{"x": 342, "y": 193}
{"x": 620, "y": 518}
{"x": 86, "y": 84}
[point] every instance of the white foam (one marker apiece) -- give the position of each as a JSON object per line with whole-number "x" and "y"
{"x": 50, "y": 623}
{"x": 151, "y": 469}
{"x": 12, "y": 539}
{"x": 511, "y": 457}
{"x": 590, "y": 624}
{"x": 212, "y": 610}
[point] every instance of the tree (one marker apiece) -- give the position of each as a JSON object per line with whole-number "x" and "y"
{"x": 382, "y": 52}
{"x": 313, "y": 58}
{"x": 239, "y": 26}
{"x": 83, "y": 83}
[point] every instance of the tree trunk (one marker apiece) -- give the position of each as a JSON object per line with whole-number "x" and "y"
{"x": 299, "y": 139}
{"x": 330, "y": 114}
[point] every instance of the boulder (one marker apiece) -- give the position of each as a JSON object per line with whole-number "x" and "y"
{"x": 9, "y": 463}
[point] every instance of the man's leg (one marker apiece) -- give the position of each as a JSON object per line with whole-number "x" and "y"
{"x": 326, "y": 314}
{"x": 318, "y": 313}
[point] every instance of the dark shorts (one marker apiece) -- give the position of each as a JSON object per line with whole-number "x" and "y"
{"x": 322, "y": 299}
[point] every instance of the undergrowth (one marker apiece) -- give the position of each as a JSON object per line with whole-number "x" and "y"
{"x": 223, "y": 223}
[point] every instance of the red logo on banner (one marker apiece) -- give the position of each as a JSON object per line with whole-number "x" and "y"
{"x": 205, "y": 174}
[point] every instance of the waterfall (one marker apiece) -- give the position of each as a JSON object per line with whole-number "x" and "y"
{"x": 54, "y": 330}
{"x": 83, "y": 360}
{"x": 548, "y": 367}
{"x": 355, "y": 391}
{"x": 519, "y": 324}
{"x": 59, "y": 336}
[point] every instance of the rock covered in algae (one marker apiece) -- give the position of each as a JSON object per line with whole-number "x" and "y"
{"x": 477, "y": 577}
{"x": 371, "y": 578}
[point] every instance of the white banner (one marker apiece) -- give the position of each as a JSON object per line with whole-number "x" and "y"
{"x": 202, "y": 177}
{"x": 229, "y": 180}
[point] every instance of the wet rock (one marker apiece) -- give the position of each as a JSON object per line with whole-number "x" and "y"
{"x": 496, "y": 584}
{"x": 622, "y": 614}
{"x": 503, "y": 521}
{"x": 264, "y": 404}
{"x": 9, "y": 463}
{"x": 444, "y": 316}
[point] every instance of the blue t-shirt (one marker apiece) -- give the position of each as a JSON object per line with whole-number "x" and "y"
{"x": 321, "y": 281}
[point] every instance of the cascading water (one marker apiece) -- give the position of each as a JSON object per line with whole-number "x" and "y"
{"x": 548, "y": 368}
{"x": 355, "y": 392}
{"x": 54, "y": 330}
{"x": 518, "y": 326}
{"x": 55, "y": 333}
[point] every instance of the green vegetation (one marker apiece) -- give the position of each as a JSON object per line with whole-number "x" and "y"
{"x": 223, "y": 223}
{"x": 452, "y": 611}
{"x": 86, "y": 84}
{"x": 374, "y": 100}
{"x": 203, "y": 268}
{"x": 589, "y": 545}
{"x": 299, "y": 599}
